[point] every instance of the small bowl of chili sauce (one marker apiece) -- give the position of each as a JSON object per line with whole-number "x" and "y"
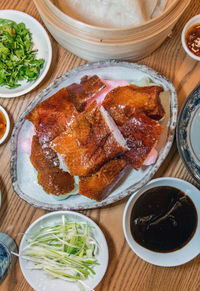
{"x": 161, "y": 224}
{"x": 4, "y": 124}
{"x": 191, "y": 37}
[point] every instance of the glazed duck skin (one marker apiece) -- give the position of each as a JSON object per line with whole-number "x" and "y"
{"x": 99, "y": 185}
{"x": 89, "y": 142}
{"x": 50, "y": 176}
{"x": 79, "y": 94}
{"x": 123, "y": 102}
{"x": 52, "y": 116}
{"x": 141, "y": 134}
{"x": 94, "y": 141}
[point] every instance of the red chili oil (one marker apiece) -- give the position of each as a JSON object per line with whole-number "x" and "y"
{"x": 192, "y": 39}
{"x": 2, "y": 125}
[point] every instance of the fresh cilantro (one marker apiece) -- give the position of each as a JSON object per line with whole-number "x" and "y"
{"x": 17, "y": 58}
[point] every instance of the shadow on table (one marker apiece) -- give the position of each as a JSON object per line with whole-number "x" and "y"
{"x": 4, "y": 202}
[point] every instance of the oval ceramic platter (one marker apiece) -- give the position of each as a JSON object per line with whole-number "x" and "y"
{"x": 188, "y": 134}
{"x": 24, "y": 176}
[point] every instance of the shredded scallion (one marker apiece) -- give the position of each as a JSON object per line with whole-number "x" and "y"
{"x": 66, "y": 250}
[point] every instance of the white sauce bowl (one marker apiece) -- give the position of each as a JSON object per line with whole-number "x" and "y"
{"x": 169, "y": 259}
{"x": 194, "y": 20}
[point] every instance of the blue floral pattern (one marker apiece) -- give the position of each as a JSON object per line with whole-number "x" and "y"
{"x": 189, "y": 109}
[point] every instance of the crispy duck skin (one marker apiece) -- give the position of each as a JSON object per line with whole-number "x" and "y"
{"x": 50, "y": 176}
{"x": 141, "y": 134}
{"x": 123, "y": 102}
{"x": 99, "y": 185}
{"x": 89, "y": 142}
{"x": 79, "y": 94}
{"x": 52, "y": 116}
{"x": 96, "y": 143}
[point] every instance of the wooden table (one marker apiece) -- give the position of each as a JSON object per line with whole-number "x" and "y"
{"x": 126, "y": 271}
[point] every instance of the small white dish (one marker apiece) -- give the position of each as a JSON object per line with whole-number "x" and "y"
{"x": 7, "y": 124}
{"x": 175, "y": 258}
{"x": 194, "y": 20}
{"x": 41, "y": 42}
{"x": 39, "y": 280}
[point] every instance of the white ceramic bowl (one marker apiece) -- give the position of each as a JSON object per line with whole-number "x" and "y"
{"x": 194, "y": 20}
{"x": 7, "y": 124}
{"x": 175, "y": 258}
{"x": 41, "y": 42}
{"x": 38, "y": 279}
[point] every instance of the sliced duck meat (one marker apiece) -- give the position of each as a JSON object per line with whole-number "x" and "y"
{"x": 141, "y": 134}
{"x": 91, "y": 140}
{"x": 52, "y": 116}
{"x": 99, "y": 185}
{"x": 123, "y": 102}
{"x": 110, "y": 84}
{"x": 151, "y": 158}
{"x": 79, "y": 94}
{"x": 50, "y": 176}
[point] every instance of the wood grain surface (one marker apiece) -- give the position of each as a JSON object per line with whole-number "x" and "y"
{"x": 126, "y": 271}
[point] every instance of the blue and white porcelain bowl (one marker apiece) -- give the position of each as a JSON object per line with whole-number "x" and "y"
{"x": 7, "y": 245}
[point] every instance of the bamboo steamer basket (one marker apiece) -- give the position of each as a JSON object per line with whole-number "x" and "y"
{"x": 93, "y": 49}
{"x": 109, "y": 34}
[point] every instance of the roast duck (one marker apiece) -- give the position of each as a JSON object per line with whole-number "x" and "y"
{"x": 96, "y": 138}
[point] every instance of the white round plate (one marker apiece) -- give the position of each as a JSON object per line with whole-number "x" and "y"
{"x": 179, "y": 257}
{"x": 41, "y": 42}
{"x": 23, "y": 171}
{"x": 38, "y": 279}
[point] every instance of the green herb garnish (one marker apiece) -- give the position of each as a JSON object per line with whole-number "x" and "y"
{"x": 17, "y": 59}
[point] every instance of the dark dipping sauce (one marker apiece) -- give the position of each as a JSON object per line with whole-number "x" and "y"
{"x": 163, "y": 219}
{"x": 192, "y": 39}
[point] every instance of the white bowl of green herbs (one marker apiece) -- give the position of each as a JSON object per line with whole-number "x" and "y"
{"x": 63, "y": 250}
{"x": 25, "y": 53}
